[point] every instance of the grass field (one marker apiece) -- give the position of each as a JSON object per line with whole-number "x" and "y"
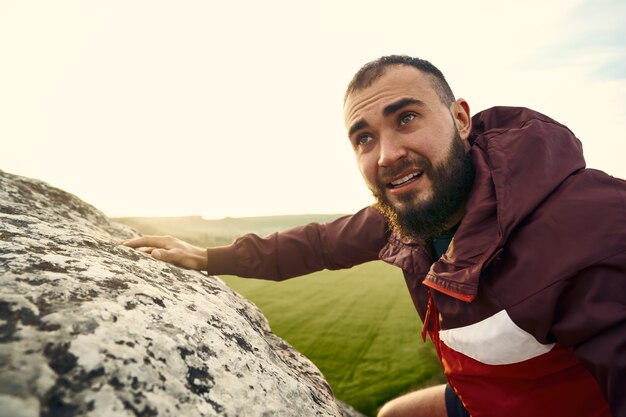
{"x": 357, "y": 325}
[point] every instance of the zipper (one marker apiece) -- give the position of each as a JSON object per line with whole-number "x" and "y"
{"x": 431, "y": 323}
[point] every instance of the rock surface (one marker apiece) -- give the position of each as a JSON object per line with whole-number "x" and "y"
{"x": 92, "y": 328}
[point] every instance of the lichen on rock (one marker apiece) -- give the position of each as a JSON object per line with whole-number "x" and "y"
{"x": 92, "y": 328}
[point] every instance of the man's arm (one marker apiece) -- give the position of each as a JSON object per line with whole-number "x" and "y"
{"x": 591, "y": 318}
{"x": 342, "y": 243}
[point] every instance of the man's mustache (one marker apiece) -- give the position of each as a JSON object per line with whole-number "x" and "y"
{"x": 387, "y": 174}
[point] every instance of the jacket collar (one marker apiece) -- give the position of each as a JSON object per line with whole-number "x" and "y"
{"x": 520, "y": 157}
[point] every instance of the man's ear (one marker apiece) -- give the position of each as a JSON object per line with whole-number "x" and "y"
{"x": 461, "y": 115}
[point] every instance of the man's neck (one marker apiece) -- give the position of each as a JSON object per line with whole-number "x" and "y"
{"x": 441, "y": 243}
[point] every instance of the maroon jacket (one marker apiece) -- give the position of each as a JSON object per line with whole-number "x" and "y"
{"x": 527, "y": 308}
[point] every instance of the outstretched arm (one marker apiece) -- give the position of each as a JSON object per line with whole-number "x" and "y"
{"x": 341, "y": 243}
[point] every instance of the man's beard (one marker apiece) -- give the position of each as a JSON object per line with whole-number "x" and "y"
{"x": 452, "y": 182}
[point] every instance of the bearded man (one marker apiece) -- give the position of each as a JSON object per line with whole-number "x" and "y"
{"x": 514, "y": 254}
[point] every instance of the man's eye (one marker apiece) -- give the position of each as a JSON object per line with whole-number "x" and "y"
{"x": 406, "y": 118}
{"x": 363, "y": 139}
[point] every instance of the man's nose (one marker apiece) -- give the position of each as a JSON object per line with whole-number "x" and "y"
{"x": 392, "y": 150}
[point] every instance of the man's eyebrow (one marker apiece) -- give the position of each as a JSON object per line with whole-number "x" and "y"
{"x": 388, "y": 110}
{"x": 394, "y": 107}
{"x": 358, "y": 125}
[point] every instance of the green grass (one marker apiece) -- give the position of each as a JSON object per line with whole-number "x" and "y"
{"x": 357, "y": 325}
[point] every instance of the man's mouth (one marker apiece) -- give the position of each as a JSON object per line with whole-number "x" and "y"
{"x": 404, "y": 179}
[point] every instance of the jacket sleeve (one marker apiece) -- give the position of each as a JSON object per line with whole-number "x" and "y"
{"x": 341, "y": 243}
{"x": 591, "y": 318}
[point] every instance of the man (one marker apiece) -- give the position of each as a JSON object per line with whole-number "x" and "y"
{"x": 514, "y": 254}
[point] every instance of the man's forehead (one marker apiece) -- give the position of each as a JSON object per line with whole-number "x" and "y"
{"x": 397, "y": 81}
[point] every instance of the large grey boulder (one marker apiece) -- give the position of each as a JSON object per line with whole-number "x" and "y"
{"x": 92, "y": 328}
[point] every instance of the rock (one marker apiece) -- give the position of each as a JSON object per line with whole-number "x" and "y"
{"x": 349, "y": 411}
{"x": 92, "y": 328}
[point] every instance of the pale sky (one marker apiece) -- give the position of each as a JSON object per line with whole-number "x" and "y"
{"x": 165, "y": 108}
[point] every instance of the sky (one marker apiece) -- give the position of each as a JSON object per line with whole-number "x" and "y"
{"x": 173, "y": 108}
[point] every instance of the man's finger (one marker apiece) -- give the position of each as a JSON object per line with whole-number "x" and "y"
{"x": 147, "y": 250}
{"x": 165, "y": 255}
{"x": 148, "y": 241}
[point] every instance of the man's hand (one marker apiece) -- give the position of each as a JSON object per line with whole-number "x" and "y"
{"x": 172, "y": 250}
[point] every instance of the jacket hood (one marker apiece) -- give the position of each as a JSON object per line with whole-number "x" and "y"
{"x": 520, "y": 157}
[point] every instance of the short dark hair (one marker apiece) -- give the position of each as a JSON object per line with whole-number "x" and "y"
{"x": 373, "y": 70}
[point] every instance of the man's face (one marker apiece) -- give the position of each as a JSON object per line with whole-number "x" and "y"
{"x": 411, "y": 150}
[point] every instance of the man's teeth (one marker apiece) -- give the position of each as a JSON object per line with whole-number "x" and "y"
{"x": 404, "y": 179}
